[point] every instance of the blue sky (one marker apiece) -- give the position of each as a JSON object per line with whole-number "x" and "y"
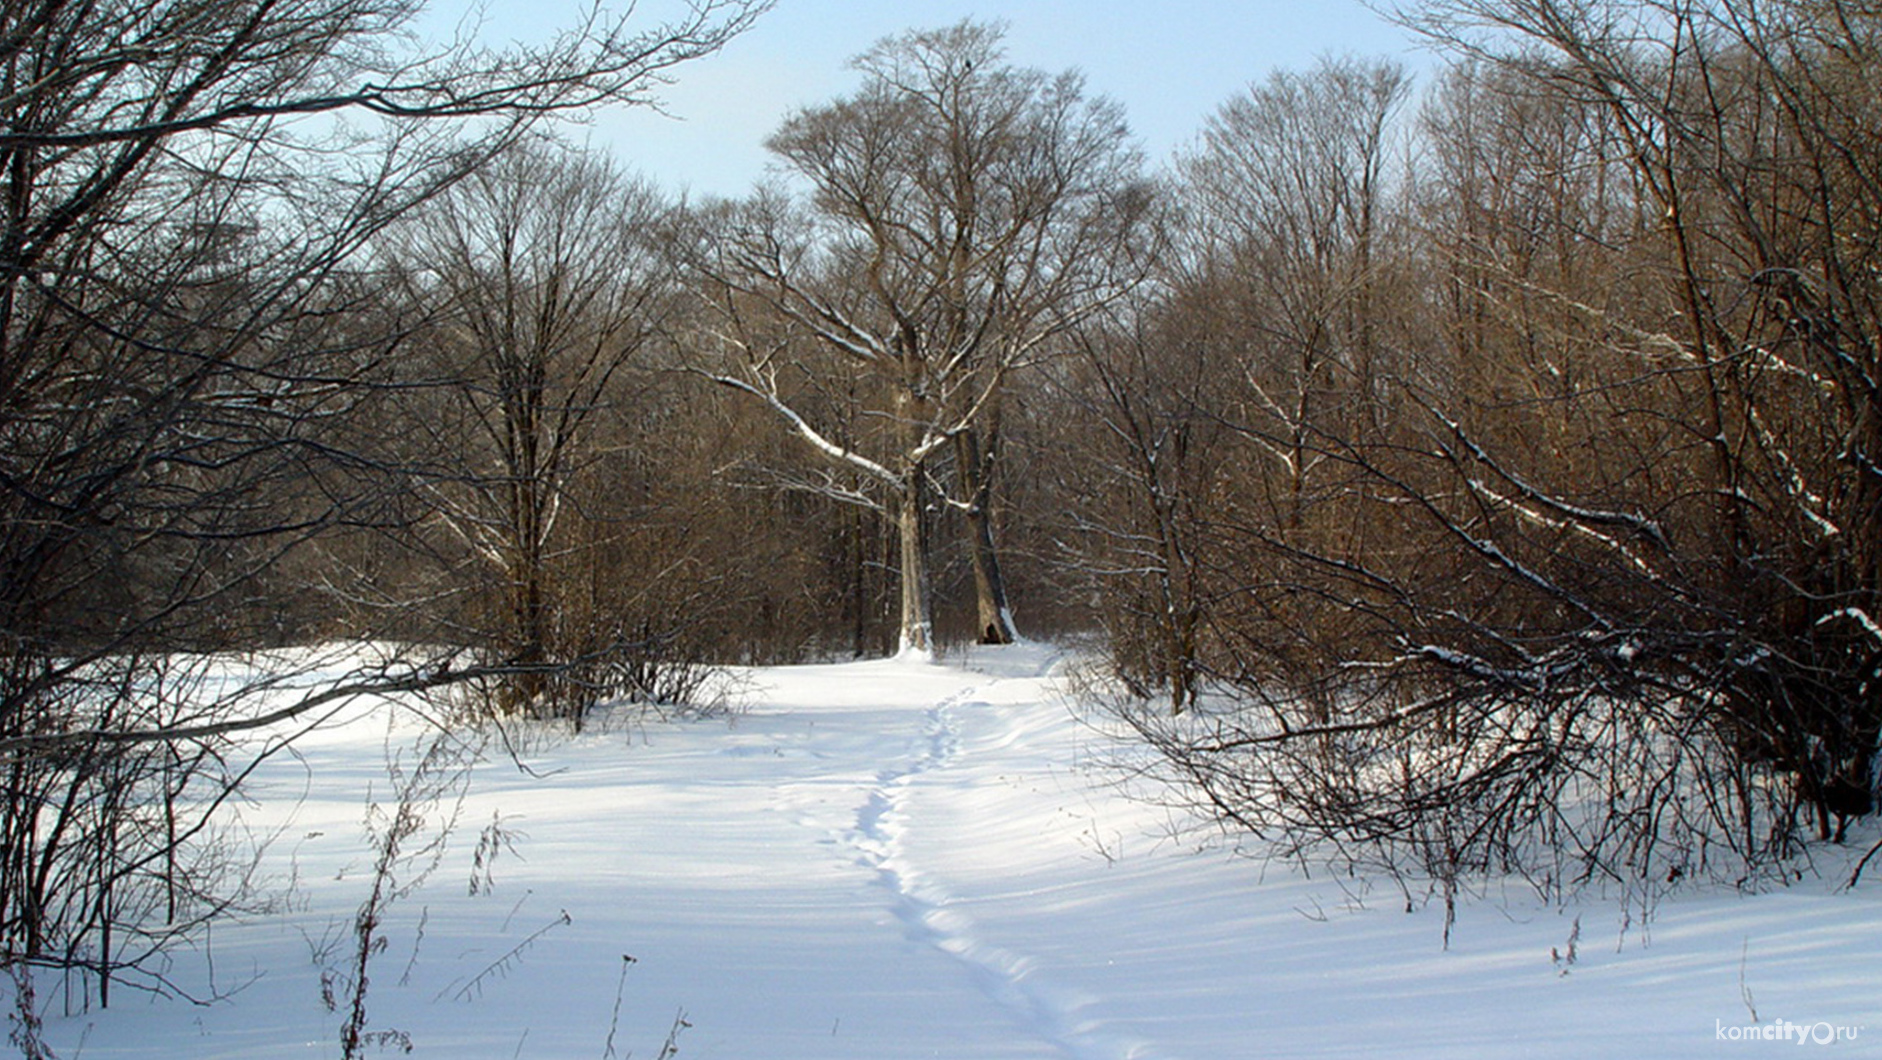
{"x": 1169, "y": 63}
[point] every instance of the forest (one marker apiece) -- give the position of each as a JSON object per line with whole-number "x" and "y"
{"x": 1477, "y": 475}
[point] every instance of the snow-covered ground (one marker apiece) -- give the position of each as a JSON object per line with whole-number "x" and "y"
{"x": 903, "y": 859}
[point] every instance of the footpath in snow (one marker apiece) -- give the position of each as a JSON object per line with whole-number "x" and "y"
{"x": 905, "y": 859}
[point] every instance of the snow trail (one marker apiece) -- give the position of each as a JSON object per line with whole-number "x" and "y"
{"x": 931, "y": 916}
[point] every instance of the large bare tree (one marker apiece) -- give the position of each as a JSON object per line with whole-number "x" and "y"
{"x": 962, "y": 214}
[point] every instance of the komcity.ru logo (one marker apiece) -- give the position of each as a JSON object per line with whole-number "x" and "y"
{"x": 1819, "y": 1033}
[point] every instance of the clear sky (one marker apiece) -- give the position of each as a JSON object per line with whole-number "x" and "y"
{"x": 1169, "y": 62}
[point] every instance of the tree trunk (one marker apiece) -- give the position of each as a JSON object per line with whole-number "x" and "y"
{"x": 917, "y": 607}
{"x": 861, "y": 531}
{"x": 529, "y": 632}
{"x": 995, "y": 618}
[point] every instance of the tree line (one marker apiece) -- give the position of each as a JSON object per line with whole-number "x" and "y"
{"x": 1504, "y": 457}
{"x": 1474, "y": 477}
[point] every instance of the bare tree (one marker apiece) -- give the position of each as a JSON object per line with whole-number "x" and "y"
{"x": 550, "y": 286}
{"x": 1271, "y": 328}
{"x": 963, "y": 214}
{"x": 1137, "y": 467}
{"x": 186, "y": 329}
{"x": 1293, "y": 190}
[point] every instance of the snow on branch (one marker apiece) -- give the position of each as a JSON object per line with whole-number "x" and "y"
{"x": 809, "y": 433}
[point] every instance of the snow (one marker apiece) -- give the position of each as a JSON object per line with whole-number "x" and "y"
{"x": 933, "y": 858}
